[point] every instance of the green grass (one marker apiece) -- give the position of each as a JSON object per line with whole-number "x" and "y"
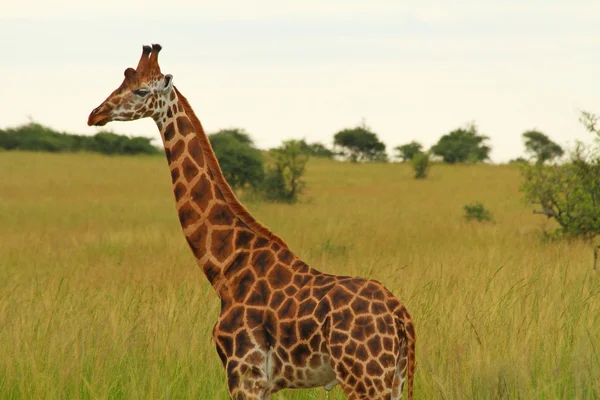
{"x": 101, "y": 299}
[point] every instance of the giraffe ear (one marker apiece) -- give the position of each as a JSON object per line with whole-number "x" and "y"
{"x": 168, "y": 83}
{"x": 129, "y": 73}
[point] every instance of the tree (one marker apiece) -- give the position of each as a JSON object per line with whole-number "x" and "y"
{"x": 407, "y": 151}
{"x": 283, "y": 181}
{"x": 462, "y": 145}
{"x": 541, "y": 147}
{"x": 360, "y": 144}
{"x": 240, "y": 161}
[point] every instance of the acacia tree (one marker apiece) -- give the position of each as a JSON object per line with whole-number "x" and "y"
{"x": 462, "y": 145}
{"x": 407, "y": 151}
{"x": 360, "y": 144}
{"x": 541, "y": 147}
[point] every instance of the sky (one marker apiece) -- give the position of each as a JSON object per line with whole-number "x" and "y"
{"x": 283, "y": 70}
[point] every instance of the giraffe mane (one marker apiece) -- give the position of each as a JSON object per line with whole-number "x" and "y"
{"x": 213, "y": 164}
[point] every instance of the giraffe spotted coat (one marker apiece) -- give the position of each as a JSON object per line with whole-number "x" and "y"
{"x": 282, "y": 324}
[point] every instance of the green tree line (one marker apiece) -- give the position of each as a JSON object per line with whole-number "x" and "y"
{"x": 36, "y": 137}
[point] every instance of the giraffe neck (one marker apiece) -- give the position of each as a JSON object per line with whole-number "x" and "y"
{"x": 217, "y": 227}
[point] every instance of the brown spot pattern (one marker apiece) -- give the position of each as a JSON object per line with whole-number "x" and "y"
{"x": 184, "y": 126}
{"x": 319, "y": 327}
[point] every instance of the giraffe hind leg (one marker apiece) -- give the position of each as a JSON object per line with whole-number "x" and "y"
{"x": 400, "y": 373}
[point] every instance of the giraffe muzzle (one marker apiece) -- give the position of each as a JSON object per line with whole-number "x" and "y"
{"x": 98, "y": 117}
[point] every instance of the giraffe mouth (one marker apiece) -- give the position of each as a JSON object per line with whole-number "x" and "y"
{"x": 98, "y": 119}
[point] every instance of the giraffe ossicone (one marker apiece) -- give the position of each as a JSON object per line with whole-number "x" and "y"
{"x": 282, "y": 324}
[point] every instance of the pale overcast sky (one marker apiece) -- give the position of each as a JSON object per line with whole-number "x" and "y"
{"x": 412, "y": 70}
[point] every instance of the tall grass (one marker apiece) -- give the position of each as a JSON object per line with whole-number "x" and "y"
{"x": 100, "y": 297}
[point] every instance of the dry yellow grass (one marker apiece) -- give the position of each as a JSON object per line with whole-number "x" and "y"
{"x": 100, "y": 297}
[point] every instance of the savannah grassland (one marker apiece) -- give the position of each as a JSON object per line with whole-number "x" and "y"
{"x": 101, "y": 299}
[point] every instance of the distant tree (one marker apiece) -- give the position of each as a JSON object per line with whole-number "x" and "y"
{"x": 240, "y": 161}
{"x": 283, "y": 181}
{"x": 518, "y": 160}
{"x": 541, "y": 147}
{"x": 462, "y": 145}
{"x": 406, "y": 152}
{"x": 315, "y": 149}
{"x": 360, "y": 144}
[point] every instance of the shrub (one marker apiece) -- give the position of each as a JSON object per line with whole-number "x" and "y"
{"x": 283, "y": 180}
{"x": 476, "y": 211}
{"x": 420, "y": 164}
{"x": 568, "y": 193}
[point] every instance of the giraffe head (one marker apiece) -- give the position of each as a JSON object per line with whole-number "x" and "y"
{"x": 144, "y": 92}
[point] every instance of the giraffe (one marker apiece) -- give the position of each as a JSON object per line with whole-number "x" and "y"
{"x": 282, "y": 323}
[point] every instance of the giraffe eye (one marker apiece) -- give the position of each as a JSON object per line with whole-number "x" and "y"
{"x": 141, "y": 92}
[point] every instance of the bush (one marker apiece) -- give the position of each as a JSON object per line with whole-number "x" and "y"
{"x": 242, "y": 163}
{"x": 283, "y": 181}
{"x": 476, "y": 211}
{"x": 568, "y": 193}
{"x": 420, "y": 164}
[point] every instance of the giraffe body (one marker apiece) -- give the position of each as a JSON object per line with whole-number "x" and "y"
{"x": 282, "y": 324}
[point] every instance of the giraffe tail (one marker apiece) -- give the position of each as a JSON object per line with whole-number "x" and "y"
{"x": 406, "y": 361}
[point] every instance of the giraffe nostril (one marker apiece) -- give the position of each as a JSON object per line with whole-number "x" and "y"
{"x": 97, "y": 110}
